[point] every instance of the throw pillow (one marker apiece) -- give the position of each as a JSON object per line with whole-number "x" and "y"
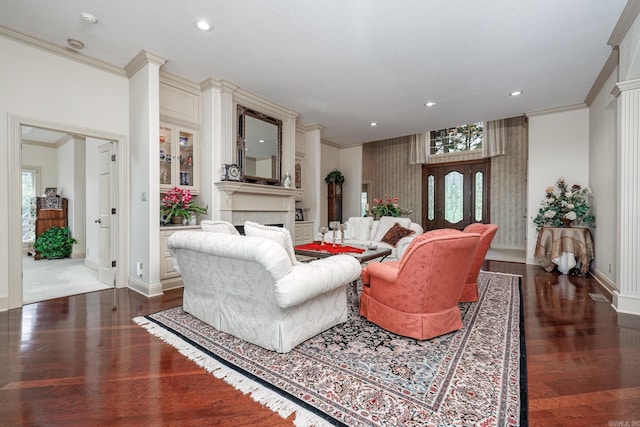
{"x": 396, "y": 233}
{"x": 218, "y": 227}
{"x": 358, "y": 228}
{"x": 386, "y": 222}
{"x": 278, "y": 234}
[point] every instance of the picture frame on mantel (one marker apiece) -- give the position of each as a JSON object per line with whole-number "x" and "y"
{"x": 299, "y": 214}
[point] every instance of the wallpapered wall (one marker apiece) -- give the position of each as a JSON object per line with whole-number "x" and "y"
{"x": 386, "y": 170}
{"x": 509, "y": 188}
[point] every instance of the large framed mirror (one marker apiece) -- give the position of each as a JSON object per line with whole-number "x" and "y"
{"x": 259, "y": 146}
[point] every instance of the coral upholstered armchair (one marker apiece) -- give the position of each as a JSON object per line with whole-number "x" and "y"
{"x": 487, "y": 232}
{"x": 418, "y": 295}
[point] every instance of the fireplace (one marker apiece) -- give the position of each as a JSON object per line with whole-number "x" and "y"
{"x": 240, "y": 202}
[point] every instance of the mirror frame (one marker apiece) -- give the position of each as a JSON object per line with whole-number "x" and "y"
{"x": 242, "y": 113}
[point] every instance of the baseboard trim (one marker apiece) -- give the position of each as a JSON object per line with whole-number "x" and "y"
{"x": 4, "y": 304}
{"x": 625, "y": 304}
{"x": 92, "y": 265}
{"x": 145, "y": 289}
{"x": 604, "y": 281}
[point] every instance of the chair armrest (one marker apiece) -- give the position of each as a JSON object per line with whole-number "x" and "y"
{"x": 308, "y": 280}
{"x": 403, "y": 244}
{"x": 386, "y": 271}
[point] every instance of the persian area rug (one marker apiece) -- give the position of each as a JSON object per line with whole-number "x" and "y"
{"x": 358, "y": 374}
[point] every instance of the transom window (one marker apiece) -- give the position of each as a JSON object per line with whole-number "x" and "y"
{"x": 460, "y": 138}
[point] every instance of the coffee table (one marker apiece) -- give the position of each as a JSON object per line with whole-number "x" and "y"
{"x": 362, "y": 257}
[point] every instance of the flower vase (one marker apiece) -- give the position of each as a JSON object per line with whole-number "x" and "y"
{"x": 566, "y": 222}
{"x": 177, "y": 219}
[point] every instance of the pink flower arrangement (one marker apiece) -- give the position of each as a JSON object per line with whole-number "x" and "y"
{"x": 387, "y": 206}
{"x": 177, "y": 203}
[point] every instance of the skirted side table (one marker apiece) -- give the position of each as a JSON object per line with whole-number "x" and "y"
{"x": 565, "y": 248}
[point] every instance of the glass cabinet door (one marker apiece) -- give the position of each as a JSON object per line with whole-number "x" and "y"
{"x": 167, "y": 179}
{"x": 186, "y": 158}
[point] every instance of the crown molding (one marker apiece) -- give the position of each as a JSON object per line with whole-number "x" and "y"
{"x": 556, "y": 110}
{"x": 608, "y": 68}
{"x": 141, "y": 59}
{"x": 308, "y": 128}
{"x": 179, "y": 83}
{"x": 60, "y": 51}
{"x": 249, "y": 99}
{"x": 627, "y": 17}
{"x": 625, "y": 86}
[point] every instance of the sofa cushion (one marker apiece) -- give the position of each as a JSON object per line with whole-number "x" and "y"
{"x": 396, "y": 233}
{"x": 278, "y": 234}
{"x": 386, "y": 222}
{"x": 358, "y": 228}
{"x": 218, "y": 227}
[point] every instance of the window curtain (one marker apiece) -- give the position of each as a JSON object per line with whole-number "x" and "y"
{"x": 494, "y": 138}
{"x": 419, "y": 148}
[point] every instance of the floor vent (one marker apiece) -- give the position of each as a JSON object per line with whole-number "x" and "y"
{"x": 598, "y": 297}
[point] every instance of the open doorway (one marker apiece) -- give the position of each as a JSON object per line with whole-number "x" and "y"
{"x": 69, "y": 166}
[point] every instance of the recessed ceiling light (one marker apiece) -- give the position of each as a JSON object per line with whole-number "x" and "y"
{"x": 516, "y": 93}
{"x": 75, "y": 44}
{"x": 261, "y": 141}
{"x": 373, "y": 124}
{"x": 91, "y": 19}
{"x": 204, "y": 25}
{"x": 429, "y": 104}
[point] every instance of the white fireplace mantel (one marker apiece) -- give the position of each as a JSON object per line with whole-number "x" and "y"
{"x": 266, "y": 204}
{"x": 231, "y": 187}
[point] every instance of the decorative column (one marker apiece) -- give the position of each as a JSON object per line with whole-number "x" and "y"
{"x": 627, "y": 298}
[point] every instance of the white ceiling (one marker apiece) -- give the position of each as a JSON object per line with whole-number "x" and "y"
{"x": 345, "y": 63}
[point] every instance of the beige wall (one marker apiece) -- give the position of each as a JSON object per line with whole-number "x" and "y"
{"x": 558, "y": 148}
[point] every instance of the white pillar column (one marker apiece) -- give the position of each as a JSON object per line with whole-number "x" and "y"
{"x": 627, "y": 298}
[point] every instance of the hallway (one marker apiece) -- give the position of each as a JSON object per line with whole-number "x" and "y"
{"x": 47, "y": 279}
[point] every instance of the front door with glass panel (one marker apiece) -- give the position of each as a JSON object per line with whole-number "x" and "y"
{"x": 455, "y": 195}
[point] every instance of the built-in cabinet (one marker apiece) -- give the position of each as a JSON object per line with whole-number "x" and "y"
{"x": 168, "y": 275}
{"x": 179, "y": 159}
{"x": 303, "y": 232}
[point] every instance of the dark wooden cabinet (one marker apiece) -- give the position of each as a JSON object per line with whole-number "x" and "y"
{"x": 334, "y": 202}
{"x": 48, "y": 212}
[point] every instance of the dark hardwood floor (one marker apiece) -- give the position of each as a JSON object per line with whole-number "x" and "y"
{"x": 78, "y": 361}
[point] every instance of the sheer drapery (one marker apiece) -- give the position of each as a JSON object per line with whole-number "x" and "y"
{"x": 494, "y": 141}
{"x": 419, "y": 148}
{"x": 494, "y": 138}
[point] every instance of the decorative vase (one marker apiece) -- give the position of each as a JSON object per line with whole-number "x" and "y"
{"x": 177, "y": 220}
{"x": 566, "y": 223}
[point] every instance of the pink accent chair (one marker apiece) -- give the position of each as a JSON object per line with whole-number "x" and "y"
{"x": 418, "y": 296}
{"x": 487, "y": 233}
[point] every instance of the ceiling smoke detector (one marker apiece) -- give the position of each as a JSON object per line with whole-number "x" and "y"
{"x": 75, "y": 44}
{"x": 91, "y": 19}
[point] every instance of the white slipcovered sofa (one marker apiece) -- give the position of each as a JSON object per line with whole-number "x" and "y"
{"x": 361, "y": 231}
{"x": 250, "y": 287}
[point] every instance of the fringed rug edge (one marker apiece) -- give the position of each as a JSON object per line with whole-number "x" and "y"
{"x": 272, "y": 400}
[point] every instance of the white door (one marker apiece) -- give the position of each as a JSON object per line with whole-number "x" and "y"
{"x": 106, "y": 220}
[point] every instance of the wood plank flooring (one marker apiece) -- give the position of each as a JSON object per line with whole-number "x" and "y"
{"x": 79, "y": 361}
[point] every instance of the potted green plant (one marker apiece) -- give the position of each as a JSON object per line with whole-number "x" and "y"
{"x": 55, "y": 242}
{"x": 334, "y": 176}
